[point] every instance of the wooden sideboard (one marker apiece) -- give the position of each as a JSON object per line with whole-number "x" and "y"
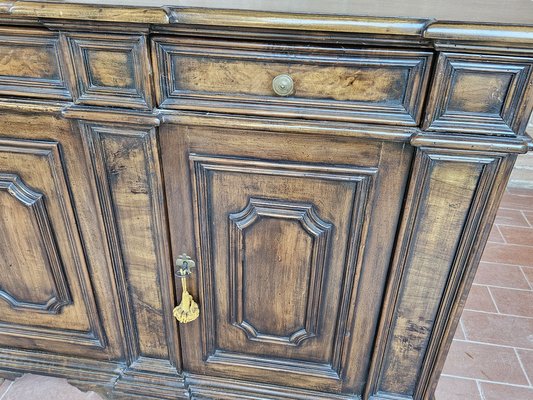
{"x": 320, "y": 179}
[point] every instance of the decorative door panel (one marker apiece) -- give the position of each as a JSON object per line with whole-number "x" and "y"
{"x": 276, "y": 240}
{"x": 281, "y": 237}
{"x": 45, "y": 294}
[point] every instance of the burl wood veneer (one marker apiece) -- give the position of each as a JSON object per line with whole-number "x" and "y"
{"x": 325, "y": 174}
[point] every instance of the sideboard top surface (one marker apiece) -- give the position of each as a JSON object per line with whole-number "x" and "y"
{"x": 481, "y": 11}
{"x": 472, "y": 20}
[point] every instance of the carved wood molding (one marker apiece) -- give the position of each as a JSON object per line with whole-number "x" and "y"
{"x": 34, "y": 201}
{"x": 314, "y": 226}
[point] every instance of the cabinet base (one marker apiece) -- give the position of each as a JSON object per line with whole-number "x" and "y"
{"x": 146, "y": 378}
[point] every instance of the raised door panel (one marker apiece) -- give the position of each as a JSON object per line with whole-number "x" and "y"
{"x": 46, "y": 297}
{"x": 281, "y": 233}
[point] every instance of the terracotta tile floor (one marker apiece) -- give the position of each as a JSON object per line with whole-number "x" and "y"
{"x": 491, "y": 357}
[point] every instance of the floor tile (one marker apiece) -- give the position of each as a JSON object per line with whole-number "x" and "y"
{"x": 492, "y": 391}
{"x": 498, "y": 329}
{"x": 517, "y": 201}
{"x": 526, "y": 357}
{"x": 479, "y": 299}
{"x": 43, "y": 388}
{"x": 511, "y": 217}
{"x": 479, "y": 361}
{"x": 450, "y": 388}
{"x": 503, "y": 275}
{"x": 517, "y": 235}
{"x": 513, "y": 302}
{"x": 509, "y": 254}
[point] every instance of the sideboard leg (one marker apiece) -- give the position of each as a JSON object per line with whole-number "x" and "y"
{"x": 453, "y": 197}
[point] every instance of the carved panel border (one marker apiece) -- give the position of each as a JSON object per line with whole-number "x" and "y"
{"x": 14, "y": 185}
{"x": 88, "y": 91}
{"x": 314, "y": 226}
{"x": 35, "y": 86}
{"x": 94, "y": 135}
{"x": 508, "y": 121}
{"x": 434, "y": 330}
{"x": 201, "y": 166}
{"x": 95, "y": 337}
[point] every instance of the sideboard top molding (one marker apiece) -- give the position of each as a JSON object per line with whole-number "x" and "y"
{"x": 455, "y": 20}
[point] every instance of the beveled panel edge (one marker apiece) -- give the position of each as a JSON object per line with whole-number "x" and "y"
{"x": 202, "y": 386}
{"x": 293, "y": 21}
{"x": 94, "y": 12}
{"x": 480, "y": 32}
{"x": 298, "y": 126}
{"x": 491, "y": 144}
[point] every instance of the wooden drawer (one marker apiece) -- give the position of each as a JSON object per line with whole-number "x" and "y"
{"x": 30, "y": 64}
{"x": 384, "y": 86}
{"x": 480, "y": 94}
{"x": 110, "y": 70}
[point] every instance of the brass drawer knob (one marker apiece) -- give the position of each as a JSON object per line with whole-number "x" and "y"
{"x": 283, "y": 85}
{"x": 187, "y": 310}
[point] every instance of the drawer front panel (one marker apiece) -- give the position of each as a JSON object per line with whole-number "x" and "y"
{"x": 361, "y": 85}
{"x": 30, "y": 64}
{"x": 110, "y": 70}
{"x": 480, "y": 94}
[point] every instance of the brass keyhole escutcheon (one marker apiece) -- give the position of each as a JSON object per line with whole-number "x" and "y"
{"x": 187, "y": 310}
{"x": 283, "y": 85}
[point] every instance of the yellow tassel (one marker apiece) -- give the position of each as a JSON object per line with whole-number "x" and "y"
{"x": 187, "y": 310}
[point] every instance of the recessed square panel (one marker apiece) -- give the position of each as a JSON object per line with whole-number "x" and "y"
{"x": 30, "y": 65}
{"x": 480, "y": 95}
{"x": 110, "y": 71}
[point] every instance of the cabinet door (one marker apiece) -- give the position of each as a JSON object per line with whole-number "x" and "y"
{"x": 292, "y": 235}
{"x": 50, "y": 277}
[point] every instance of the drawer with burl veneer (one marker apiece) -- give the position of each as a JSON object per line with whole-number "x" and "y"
{"x": 365, "y": 85}
{"x": 30, "y": 64}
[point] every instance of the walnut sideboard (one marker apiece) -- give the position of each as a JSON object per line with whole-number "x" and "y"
{"x": 251, "y": 199}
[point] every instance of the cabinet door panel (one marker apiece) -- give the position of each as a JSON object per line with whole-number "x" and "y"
{"x": 277, "y": 240}
{"x": 280, "y": 229}
{"x": 46, "y": 297}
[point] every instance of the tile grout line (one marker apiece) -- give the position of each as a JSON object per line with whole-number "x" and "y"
{"x": 7, "y": 390}
{"x": 498, "y": 314}
{"x": 506, "y": 264}
{"x": 493, "y": 344}
{"x": 480, "y": 390}
{"x": 493, "y": 300}
{"x": 501, "y": 233}
{"x": 506, "y": 287}
{"x": 522, "y": 366}
{"x": 526, "y": 218}
{"x": 462, "y": 328}
{"x": 486, "y": 381}
{"x": 525, "y": 276}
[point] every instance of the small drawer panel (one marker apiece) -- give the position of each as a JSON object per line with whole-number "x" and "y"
{"x": 110, "y": 70}
{"x": 30, "y": 64}
{"x": 480, "y": 94}
{"x": 346, "y": 84}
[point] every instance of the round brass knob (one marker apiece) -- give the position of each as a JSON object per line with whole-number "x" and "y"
{"x": 283, "y": 85}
